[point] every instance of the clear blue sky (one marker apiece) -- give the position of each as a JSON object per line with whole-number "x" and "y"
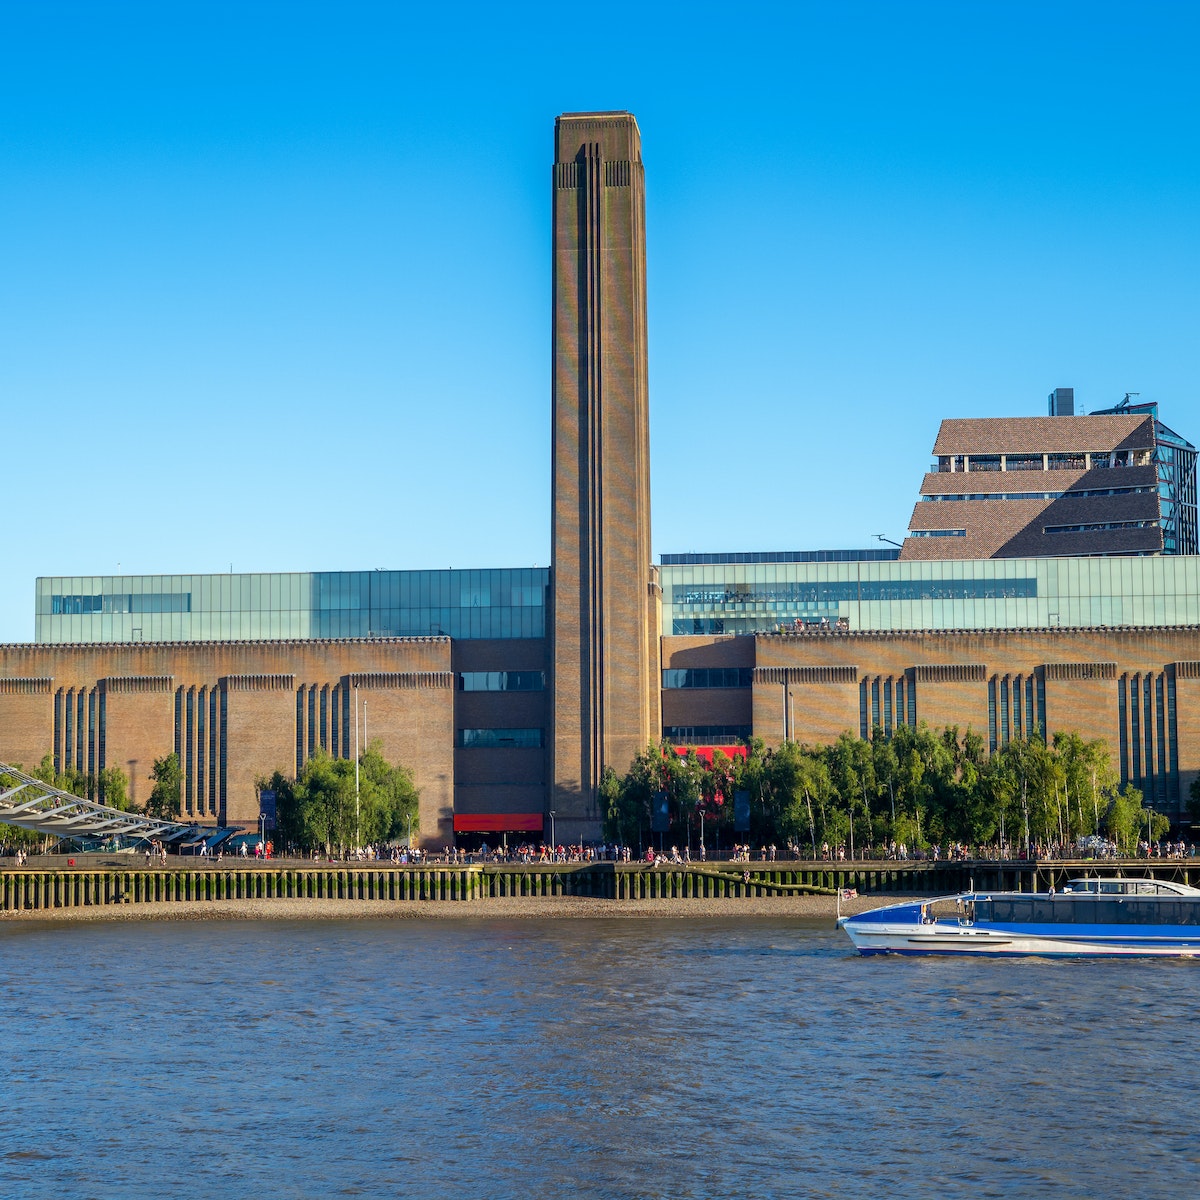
{"x": 264, "y": 265}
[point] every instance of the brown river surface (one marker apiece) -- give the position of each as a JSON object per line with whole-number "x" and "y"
{"x": 712, "y": 1057}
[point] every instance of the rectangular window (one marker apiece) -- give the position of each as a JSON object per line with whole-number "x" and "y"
{"x": 1066, "y": 462}
{"x": 1101, "y": 526}
{"x": 474, "y": 739}
{"x": 502, "y": 681}
{"x": 124, "y": 602}
{"x": 707, "y": 735}
{"x": 708, "y": 677}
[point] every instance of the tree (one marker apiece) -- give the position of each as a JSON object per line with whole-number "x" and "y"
{"x": 319, "y": 809}
{"x": 325, "y": 800}
{"x": 389, "y": 798}
{"x": 1193, "y": 804}
{"x": 1123, "y": 819}
{"x": 110, "y": 786}
{"x": 166, "y": 796}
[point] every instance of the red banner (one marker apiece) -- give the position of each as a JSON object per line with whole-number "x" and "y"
{"x": 497, "y": 822}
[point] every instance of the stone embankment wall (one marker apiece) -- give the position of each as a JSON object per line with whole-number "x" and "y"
{"x": 34, "y": 887}
{"x": 30, "y": 888}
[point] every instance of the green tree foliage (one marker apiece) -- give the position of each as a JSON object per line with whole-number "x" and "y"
{"x": 389, "y": 798}
{"x": 911, "y": 786}
{"x": 318, "y": 810}
{"x": 166, "y": 795}
{"x": 110, "y": 786}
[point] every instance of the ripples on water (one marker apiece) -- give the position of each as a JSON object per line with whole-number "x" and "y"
{"x": 601, "y": 1058}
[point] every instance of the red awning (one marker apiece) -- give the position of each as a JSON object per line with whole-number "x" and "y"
{"x": 497, "y": 822}
{"x": 705, "y": 753}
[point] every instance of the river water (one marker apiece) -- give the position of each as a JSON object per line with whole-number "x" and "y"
{"x": 596, "y": 1058}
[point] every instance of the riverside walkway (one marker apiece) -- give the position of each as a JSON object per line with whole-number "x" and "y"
{"x": 103, "y": 880}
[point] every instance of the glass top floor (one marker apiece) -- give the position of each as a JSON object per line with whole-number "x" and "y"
{"x": 1005, "y": 593}
{"x": 497, "y": 603}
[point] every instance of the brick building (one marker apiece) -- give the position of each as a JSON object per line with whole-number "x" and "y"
{"x": 508, "y": 691}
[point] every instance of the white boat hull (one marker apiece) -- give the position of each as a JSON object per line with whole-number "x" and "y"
{"x": 953, "y": 939}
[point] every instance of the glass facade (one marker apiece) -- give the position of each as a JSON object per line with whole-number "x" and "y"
{"x": 1006, "y": 593}
{"x": 335, "y": 604}
{"x": 715, "y": 598}
{"x": 780, "y": 556}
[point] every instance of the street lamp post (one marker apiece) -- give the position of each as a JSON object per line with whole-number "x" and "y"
{"x": 553, "y": 843}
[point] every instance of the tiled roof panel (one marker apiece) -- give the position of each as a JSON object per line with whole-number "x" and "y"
{"x": 1043, "y": 435}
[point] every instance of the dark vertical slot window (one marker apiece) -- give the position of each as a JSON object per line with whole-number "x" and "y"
{"x": 299, "y": 730}
{"x": 887, "y": 705}
{"x": 875, "y": 703}
{"x": 212, "y": 751}
{"x": 1123, "y": 729}
{"x": 1173, "y": 732}
{"x": 102, "y": 735}
{"x": 201, "y": 736}
{"x": 189, "y": 773}
{"x": 993, "y": 741}
{"x": 1160, "y": 705}
{"x": 1004, "y": 724}
{"x": 1148, "y": 735}
{"x": 864, "y": 731}
{"x": 1136, "y": 730}
{"x": 223, "y": 794}
{"x": 80, "y": 726}
{"x": 58, "y": 731}
{"x": 91, "y": 733}
{"x": 312, "y": 720}
{"x": 69, "y": 733}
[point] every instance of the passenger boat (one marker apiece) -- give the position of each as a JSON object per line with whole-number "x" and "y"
{"x": 1108, "y": 916}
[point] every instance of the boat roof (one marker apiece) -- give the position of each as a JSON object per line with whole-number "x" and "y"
{"x": 1120, "y": 885}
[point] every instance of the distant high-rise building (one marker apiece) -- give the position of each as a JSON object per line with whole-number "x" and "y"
{"x": 1113, "y": 482}
{"x": 1062, "y": 402}
{"x": 605, "y": 602}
